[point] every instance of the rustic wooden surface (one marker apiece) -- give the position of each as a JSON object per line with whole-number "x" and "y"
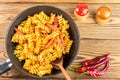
{"x": 96, "y": 40}
{"x": 64, "y": 1}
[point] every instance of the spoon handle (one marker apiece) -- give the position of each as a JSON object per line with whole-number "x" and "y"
{"x": 65, "y": 73}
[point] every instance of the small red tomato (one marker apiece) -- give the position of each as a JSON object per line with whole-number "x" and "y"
{"x": 82, "y": 9}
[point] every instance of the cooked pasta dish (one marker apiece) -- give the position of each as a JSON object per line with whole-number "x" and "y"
{"x": 41, "y": 39}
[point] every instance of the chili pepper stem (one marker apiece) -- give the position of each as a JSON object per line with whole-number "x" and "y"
{"x": 73, "y": 68}
{"x": 84, "y": 73}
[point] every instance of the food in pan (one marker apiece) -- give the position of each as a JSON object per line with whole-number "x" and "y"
{"x": 40, "y": 39}
{"x": 103, "y": 15}
{"x": 81, "y": 12}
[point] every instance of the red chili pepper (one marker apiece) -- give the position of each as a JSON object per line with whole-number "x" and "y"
{"x": 42, "y": 31}
{"x": 52, "y": 27}
{"x": 95, "y": 73}
{"x": 83, "y": 69}
{"x": 92, "y": 69}
{"x": 95, "y": 60}
{"x": 18, "y": 31}
{"x": 61, "y": 38}
{"x": 56, "y": 21}
{"x": 49, "y": 43}
{"x": 62, "y": 46}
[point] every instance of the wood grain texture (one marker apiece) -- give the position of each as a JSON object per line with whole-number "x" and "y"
{"x": 95, "y": 40}
{"x": 64, "y": 1}
{"x": 88, "y": 30}
{"x": 88, "y": 49}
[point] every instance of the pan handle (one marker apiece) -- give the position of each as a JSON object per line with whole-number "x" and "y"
{"x": 5, "y": 66}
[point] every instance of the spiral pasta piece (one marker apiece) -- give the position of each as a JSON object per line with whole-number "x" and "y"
{"x": 51, "y": 19}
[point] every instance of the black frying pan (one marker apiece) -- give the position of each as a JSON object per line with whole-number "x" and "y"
{"x": 73, "y": 31}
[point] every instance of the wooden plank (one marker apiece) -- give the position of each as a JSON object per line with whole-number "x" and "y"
{"x": 92, "y": 31}
{"x": 88, "y": 30}
{"x": 89, "y": 48}
{"x": 65, "y": 1}
{"x": 16, "y": 75}
{"x": 13, "y": 7}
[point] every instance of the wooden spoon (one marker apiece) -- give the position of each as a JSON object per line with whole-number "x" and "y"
{"x": 59, "y": 62}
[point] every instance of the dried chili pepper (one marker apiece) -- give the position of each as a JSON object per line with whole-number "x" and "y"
{"x": 91, "y": 69}
{"x": 95, "y": 60}
{"x": 86, "y": 68}
{"x": 95, "y": 73}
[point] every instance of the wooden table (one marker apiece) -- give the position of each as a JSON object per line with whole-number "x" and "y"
{"x": 95, "y": 40}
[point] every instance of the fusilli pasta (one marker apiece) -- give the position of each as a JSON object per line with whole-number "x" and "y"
{"x": 40, "y": 40}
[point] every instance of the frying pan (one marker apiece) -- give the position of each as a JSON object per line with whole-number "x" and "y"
{"x": 13, "y": 60}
